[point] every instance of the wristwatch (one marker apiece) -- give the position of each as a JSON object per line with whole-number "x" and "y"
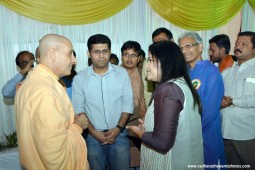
{"x": 231, "y": 102}
{"x": 120, "y": 128}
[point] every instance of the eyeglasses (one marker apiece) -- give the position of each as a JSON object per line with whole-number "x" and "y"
{"x": 188, "y": 46}
{"x": 126, "y": 55}
{"x": 98, "y": 52}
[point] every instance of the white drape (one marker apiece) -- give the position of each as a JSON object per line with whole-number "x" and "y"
{"x": 136, "y": 22}
{"x": 248, "y": 21}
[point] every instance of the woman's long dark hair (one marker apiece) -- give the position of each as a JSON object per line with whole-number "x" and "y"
{"x": 173, "y": 65}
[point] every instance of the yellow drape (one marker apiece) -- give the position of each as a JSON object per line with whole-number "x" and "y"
{"x": 67, "y": 12}
{"x": 187, "y": 14}
{"x": 197, "y": 14}
{"x": 252, "y": 2}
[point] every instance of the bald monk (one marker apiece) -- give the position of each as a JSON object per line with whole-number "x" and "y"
{"x": 49, "y": 135}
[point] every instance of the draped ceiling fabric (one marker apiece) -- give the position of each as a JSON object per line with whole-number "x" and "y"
{"x": 197, "y": 14}
{"x": 67, "y": 12}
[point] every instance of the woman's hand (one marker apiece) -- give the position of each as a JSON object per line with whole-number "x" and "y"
{"x": 138, "y": 130}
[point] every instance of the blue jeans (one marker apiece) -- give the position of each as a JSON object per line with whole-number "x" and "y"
{"x": 114, "y": 156}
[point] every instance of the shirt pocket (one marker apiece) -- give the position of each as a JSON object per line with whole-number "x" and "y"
{"x": 249, "y": 86}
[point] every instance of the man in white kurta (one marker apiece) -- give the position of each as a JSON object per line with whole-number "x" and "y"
{"x": 238, "y": 104}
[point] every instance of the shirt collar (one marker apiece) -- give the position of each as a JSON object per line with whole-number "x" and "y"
{"x": 248, "y": 63}
{"x": 111, "y": 68}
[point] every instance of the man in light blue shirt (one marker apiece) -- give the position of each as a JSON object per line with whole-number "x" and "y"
{"x": 103, "y": 92}
{"x": 25, "y": 62}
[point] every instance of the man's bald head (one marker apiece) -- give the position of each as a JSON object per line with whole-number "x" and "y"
{"x": 51, "y": 41}
{"x": 56, "y": 53}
